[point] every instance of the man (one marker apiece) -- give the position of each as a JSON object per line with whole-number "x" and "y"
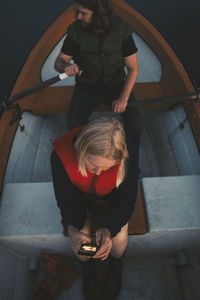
{"x": 100, "y": 44}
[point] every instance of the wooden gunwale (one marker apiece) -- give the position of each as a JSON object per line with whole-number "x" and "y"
{"x": 174, "y": 81}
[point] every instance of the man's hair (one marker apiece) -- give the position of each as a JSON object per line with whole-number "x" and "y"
{"x": 105, "y": 137}
{"x": 102, "y": 14}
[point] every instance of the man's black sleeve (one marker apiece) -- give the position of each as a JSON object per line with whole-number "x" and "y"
{"x": 122, "y": 199}
{"x": 68, "y": 197}
{"x": 69, "y": 47}
{"x": 129, "y": 47}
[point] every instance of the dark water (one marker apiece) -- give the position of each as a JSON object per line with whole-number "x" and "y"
{"x": 23, "y": 23}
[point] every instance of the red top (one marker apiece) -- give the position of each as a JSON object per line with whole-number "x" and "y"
{"x": 93, "y": 184}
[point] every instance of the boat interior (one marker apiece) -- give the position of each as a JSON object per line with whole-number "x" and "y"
{"x": 151, "y": 271}
{"x": 167, "y": 146}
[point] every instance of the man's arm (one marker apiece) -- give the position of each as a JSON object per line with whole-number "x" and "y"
{"x": 131, "y": 62}
{"x": 62, "y": 64}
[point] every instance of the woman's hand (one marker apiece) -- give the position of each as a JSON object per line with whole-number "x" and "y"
{"x": 77, "y": 238}
{"x": 103, "y": 239}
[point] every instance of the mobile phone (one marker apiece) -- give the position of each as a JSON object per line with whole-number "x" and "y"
{"x": 88, "y": 249}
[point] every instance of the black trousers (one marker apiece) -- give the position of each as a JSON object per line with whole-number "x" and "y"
{"x": 86, "y": 98}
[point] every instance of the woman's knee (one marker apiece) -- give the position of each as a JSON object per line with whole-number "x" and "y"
{"x": 122, "y": 235}
{"x": 119, "y": 242}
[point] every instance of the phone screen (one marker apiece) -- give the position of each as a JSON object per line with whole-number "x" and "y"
{"x": 87, "y": 249}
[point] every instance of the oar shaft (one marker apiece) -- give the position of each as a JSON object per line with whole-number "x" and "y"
{"x": 37, "y": 87}
{"x": 165, "y": 99}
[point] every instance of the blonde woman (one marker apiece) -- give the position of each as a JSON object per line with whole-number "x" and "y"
{"x": 95, "y": 175}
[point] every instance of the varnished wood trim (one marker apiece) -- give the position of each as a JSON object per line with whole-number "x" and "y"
{"x": 193, "y": 113}
{"x": 137, "y": 223}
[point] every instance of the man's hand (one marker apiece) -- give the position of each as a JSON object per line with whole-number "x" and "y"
{"x": 77, "y": 237}
{"x": 131, "y": 63}
{"x": 103, "y": 239}
{"x": 119, "y": 105}
{"x": 72, "y": 70}
{"x": 62, "y": 64}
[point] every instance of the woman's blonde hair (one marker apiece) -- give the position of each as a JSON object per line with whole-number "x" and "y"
{"x": 105, "y": 137}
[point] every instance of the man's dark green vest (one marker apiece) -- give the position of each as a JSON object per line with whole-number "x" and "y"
{"x": 101, "y": 57}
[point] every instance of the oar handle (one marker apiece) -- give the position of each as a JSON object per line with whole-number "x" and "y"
{"x": 36, "y": 88}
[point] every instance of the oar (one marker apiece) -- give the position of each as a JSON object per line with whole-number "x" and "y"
{"x": 6, "y": 104}
{"x": 195, "y": 97}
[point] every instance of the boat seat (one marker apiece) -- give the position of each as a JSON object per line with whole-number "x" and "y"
{"x": 30, "y": 219}
{"x": 29, "y": 209}
{"x": 172, "y": 203}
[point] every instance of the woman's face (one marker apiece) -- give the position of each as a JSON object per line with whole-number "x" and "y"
{"x": 96, "y": 164}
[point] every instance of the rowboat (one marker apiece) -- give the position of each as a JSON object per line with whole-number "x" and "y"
{"x": 169, "y": 156}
